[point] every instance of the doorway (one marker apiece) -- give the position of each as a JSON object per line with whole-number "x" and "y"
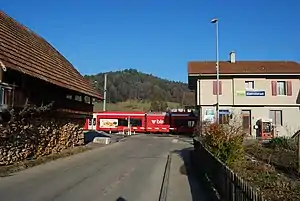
{"x": 92, "y": 123}
{"x": 246, "y": 121}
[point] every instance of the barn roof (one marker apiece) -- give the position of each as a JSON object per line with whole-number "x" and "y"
{"x": 23, "y": 50}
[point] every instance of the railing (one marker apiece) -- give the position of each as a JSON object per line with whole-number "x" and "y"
{"x": 229, "y": 186}
{"x": 127, "y": 131}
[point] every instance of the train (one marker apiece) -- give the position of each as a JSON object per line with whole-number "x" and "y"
{"x": 142, "y": 122}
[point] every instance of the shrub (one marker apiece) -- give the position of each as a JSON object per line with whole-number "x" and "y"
{"x": 224, "y": 141}
{"x": 282, "y": 143}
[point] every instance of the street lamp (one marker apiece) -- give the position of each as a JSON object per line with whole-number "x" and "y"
{"x": 216, "y": 22}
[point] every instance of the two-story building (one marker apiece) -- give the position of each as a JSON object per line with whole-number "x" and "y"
{"x": 251, "y": 90}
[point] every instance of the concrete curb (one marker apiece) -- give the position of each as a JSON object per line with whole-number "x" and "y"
{"x": 166, "y": 178}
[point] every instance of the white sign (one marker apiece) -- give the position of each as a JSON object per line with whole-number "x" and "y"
{"x": 108, "y": 123}
{"x": 157, "y": 121}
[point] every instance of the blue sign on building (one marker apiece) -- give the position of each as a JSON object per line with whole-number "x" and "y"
{"x": 255, "y": 93}
{"x": 224, "y": 112}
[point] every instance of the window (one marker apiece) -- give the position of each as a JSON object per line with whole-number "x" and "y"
{"x": 87, "y": 99}
{"x": 122, "y": 122}
{"x": 276, "y": 116}
{"x": 249, "y": 84}
{"x": 92, "y": 121}
{"x": 281, "y": 88}
{"x": 180, "y": 122}
{"x": 136, "y": 122}
{"x": 215, "y": 86}
{"x": 224, "y": 116}
{"x": 78, "y": 98}
{"x": 184, "y": 123}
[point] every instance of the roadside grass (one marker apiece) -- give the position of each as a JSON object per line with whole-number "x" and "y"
{"x": 272, "y": 170}
{"x": 272, "y": 184}
{"x": 284, "y": 160}
{"x": 10, "y": 169}
{"x": 130, "y": 105}
{"x": 270, "y": 167}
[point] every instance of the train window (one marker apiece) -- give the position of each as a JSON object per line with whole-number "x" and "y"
{"x": 94, "y": 121}
{"x": 122, "y": 122}
{"x": 180, "y": 122}
{"x": 136, "y": 122}
{"x": 90, "y": 121}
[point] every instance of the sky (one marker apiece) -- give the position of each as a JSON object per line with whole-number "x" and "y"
{"x": 161, "y": 36}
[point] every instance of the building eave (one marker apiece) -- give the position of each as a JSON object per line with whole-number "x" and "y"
{"x": 245, "y": 74}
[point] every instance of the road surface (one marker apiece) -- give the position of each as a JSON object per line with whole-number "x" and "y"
{"x": 127, "y": 171}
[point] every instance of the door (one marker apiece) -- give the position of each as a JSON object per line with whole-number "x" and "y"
{"x": 246, "y": 121}
{"x": 92, "y": 123}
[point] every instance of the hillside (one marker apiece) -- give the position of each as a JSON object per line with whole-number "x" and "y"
{"x": 131, "y": 84}
{"x": 131, "y": 105}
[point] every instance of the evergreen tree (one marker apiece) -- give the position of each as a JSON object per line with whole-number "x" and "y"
{"x": 132, "y": 84}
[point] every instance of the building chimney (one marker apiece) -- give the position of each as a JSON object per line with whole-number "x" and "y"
{"x": 232, "y": 57}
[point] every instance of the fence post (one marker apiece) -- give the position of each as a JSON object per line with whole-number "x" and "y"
{"x": 231, "y": 187}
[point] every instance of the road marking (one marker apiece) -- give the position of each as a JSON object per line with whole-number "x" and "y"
{"x": 175, "y": 141}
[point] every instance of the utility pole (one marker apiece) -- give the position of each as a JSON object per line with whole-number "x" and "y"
{"x": 104, "y": 95}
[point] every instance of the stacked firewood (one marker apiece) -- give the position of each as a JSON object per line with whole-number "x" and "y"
{"x": 34, "y": 133}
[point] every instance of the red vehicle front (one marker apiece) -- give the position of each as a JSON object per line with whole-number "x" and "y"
{"x": 91, "y": 123}
{"x": 182, "y": 122}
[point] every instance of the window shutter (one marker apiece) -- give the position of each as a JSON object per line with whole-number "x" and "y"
{"x": 214, "y": 87}
{"x": 274, "y": 88}
{"x": 220, "y": 88}
{"x": 289, "y": 91}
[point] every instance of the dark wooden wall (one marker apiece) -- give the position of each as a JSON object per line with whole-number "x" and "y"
{"x": 38, "y": 92}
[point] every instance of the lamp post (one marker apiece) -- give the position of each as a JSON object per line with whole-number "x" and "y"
{"x": 216, "y": 22}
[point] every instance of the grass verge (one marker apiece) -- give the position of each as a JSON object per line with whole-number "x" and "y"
{"x": 271, "y": 171}
{"x": 131, "y": 105}
{"x": 8, "y": 170}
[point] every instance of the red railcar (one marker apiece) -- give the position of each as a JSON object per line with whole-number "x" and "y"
{"x": 157, "y": 122}
{"x": 121, "y": 121}
{"x": 143, "y": 122}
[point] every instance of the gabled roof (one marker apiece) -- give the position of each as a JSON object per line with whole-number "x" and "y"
{"x": 245, "y": 67}
{"x": 24, "y": 51}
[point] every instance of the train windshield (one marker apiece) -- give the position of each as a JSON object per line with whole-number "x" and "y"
{"x": 184, "y": 122}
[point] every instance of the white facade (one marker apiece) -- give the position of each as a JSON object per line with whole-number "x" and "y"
{"x": 252, "y": 99}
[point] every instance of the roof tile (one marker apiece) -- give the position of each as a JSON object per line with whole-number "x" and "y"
{"x": 23, "y": 50}
{"x": 245, "y": 67}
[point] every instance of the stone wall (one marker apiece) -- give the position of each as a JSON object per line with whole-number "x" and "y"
{"x": 36, "y": 132}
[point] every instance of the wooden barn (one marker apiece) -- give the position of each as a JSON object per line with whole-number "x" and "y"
{"x": 33, "y": 71}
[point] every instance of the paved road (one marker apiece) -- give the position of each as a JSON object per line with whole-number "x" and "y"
{"x": 131, "y": 170}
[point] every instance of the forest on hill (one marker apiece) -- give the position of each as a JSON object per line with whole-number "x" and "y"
{"x": 131, "y": 84}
